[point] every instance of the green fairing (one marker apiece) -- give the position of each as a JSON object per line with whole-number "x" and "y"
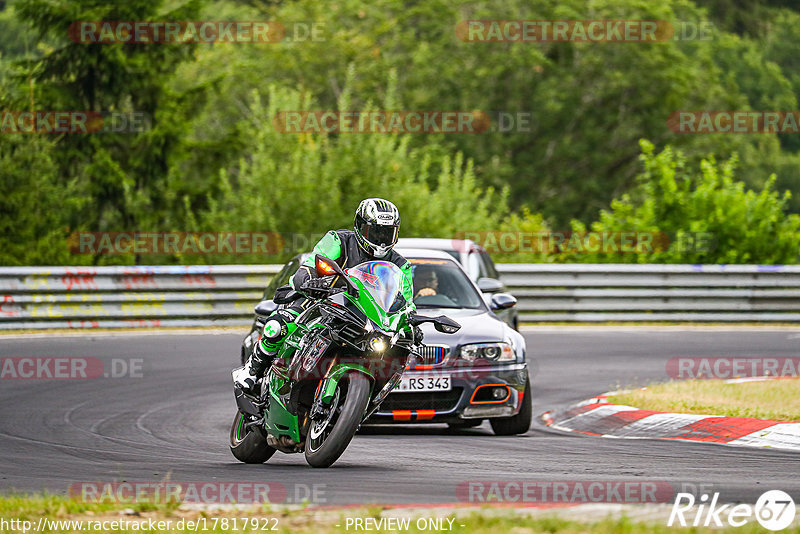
{"x": 278, "y": 420}
{"x": 394, "y": 321}
{"x": 408, "y": 284}
{"x": 332, "y": 380}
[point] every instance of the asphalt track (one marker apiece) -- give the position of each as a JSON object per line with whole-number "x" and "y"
{"x": 173, "y": 422}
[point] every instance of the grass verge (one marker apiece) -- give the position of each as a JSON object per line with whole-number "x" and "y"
{"x": 778, "y": 400}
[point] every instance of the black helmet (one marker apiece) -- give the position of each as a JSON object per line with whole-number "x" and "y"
{"x": 377, "y": 225}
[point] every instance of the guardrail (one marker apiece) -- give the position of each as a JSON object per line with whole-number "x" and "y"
{"x": 222, "y": 295}
{"x": 624, "y": 292}
{"x": 139, "y": 296}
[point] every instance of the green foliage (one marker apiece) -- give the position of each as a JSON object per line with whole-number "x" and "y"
{"x": 212, "y": 160}
{"x": 31, "y": 228}
{"x": 708, "y": 215}
{"x": 587, "y": 103}
{"x": 522, "y": 238}
{"x": 301, "y": 185}
{"x": 123, "y": 174}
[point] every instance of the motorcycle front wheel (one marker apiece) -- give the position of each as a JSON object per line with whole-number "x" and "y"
{"x": 247, "y": 445}
{"x": 328, "y": 437}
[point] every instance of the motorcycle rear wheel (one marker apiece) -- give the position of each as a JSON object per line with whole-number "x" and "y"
{"x": 341, "y": 427}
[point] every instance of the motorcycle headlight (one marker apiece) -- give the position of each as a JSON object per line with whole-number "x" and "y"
{"x": 378, "y": 343}
{"x": 496, "y": 352}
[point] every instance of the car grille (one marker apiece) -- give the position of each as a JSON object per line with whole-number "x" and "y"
{"x": 441, "y": 401}
{"x": 432, "y": 356}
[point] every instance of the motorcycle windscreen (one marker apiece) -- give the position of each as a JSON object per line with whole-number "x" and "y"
{"x": 381, "y": 278}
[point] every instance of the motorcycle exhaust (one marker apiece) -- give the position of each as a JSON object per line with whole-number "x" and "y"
{"x": 284, "y": 444}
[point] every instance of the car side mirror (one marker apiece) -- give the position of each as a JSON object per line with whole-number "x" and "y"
{"x": 265, "y": 308}
{"x": 490, "y": 285}
{"x": 502, "y": 301}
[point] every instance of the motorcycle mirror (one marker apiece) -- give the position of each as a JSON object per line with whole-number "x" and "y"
{"x": 324, "y": 267}
{"x": 446, "y": 325}
{"x": 327, "y": 267}
{"x": 442, "y": 323}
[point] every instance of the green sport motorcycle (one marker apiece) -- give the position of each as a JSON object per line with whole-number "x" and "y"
{"x": 347, "y": 354}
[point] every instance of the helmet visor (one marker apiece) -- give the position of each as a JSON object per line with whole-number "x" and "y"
{"x": 380, "y": 235}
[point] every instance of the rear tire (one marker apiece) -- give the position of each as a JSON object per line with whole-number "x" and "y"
{"x": 350, "y": 412}
{"x": 516, "y": 424}
{"x": 248, "y": 446}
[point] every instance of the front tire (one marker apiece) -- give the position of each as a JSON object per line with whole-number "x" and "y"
{"x": 516, "y": 424}
{"x": 248, "y": 446}
{"x": 340, "y": 429}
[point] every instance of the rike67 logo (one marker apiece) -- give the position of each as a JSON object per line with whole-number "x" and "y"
{"x": 774, "y": 510}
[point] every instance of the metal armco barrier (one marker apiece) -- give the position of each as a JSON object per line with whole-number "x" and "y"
{"x": 223, "y": 295}
{"x": 624, "y": 292}
{"x": 139, "y": 296}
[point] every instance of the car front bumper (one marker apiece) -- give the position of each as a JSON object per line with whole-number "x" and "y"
{"x": 466, "y": 400}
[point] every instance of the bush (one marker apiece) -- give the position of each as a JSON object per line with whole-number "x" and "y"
{"x": 708, "y": 216}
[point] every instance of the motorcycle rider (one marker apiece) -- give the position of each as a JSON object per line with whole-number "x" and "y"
{"x": 375, "y": 232}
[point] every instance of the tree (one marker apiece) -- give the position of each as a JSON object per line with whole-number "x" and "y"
{"x": 124, "y": 174}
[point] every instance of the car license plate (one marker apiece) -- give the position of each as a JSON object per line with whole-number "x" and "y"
{"x": 424, "y": 383}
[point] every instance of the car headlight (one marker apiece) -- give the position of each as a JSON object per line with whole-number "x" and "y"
{"x": 495, "y": 352}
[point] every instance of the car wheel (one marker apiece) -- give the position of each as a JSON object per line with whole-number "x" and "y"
{"x": 516, "y": 424}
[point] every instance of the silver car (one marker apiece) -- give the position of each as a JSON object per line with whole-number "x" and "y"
{"x": 476, "y": 262}
{"x": 462, "y": 379}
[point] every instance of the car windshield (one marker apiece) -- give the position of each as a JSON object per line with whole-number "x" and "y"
{"x": 443, "y": 284}
{"x": 382, "y": 280}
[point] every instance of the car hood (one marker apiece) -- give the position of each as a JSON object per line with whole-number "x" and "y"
{"x": 477, "y": 326}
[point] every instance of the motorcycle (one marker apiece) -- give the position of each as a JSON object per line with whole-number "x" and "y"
{"x": 347, "y": 354}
